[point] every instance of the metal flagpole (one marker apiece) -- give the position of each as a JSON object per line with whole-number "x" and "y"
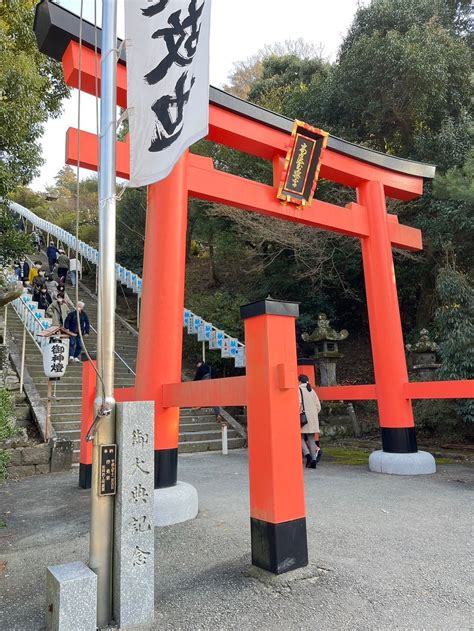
{"x": 102, "y": 506}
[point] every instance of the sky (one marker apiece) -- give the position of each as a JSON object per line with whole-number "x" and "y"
{"x": 238, "y": 30}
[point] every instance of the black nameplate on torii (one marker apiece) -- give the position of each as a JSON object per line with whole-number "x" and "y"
{"x": 302, "y": 164}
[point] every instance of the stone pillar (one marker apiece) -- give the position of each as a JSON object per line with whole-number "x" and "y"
{"x": 423, "y": 355}
{"x": 71, "y": 601}
{"x": 134, "y": 568}
{"x": 326, "y": 339}
{"x": 425, "y": 366}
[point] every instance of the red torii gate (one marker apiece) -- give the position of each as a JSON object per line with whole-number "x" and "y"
{"x": 276, "y": 509}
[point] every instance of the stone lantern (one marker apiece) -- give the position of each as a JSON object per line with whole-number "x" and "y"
{"x": 424, "y": 356}
{"x": 326, "y": 348}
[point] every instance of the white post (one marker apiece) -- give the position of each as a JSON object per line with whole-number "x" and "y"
{"x": 47, "y": 431}
{"x": 225, "y": 447}
{"x": 204, "y": 352}
{"x": 138, "y": 311}
{"x": 5, "y": 325}
{"x": 23, "y": 349}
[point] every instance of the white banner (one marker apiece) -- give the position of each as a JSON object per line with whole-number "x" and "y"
{"x": 167, "y": 45}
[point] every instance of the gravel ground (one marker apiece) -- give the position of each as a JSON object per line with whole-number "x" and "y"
{"x": 385, "y": 552}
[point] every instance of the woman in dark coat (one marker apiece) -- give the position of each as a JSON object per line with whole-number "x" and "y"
{"x": 44, "y": 299}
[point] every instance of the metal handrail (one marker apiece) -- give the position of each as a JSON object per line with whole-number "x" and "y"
{"x": 191, "y": 321}
{"x": 23, "y": 320}
{"x": 22, "y": 313}
{"x": 119, "y": 357}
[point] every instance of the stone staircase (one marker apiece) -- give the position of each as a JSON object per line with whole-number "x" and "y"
{"x": 199, "y": 430}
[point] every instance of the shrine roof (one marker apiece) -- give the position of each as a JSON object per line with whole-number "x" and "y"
{"x": 55, "y": 27}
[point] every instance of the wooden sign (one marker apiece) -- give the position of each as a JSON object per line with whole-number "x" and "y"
{"x": 302, "y": 164}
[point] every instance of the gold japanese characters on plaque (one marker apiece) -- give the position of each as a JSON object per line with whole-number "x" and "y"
{"x": 303, "y": 161}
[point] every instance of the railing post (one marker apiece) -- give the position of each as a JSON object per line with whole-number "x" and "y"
{"x": 47, "y": 431}
{"x": 5, "y": 317}
{"x": 23, "y": 349}
{"x": 225, "y": 444}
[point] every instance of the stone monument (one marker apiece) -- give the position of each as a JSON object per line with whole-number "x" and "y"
{"x": 134, "y": 531}
{"x": 336, "y": 416}
{"x": 325, "y": 340}
{"x": 126, "y": 471}
{"x": 424, "y": 356}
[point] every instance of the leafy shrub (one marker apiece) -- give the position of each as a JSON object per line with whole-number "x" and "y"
{"x": 7, "y": 425}
{"x": 454, "y": 323}
{"x": 439, "y": 418}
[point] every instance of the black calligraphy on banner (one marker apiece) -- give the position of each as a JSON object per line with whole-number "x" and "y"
{"x": 156, "y": 8}
{"x": 171, "y": 124}
{"x": 181, "y": 38}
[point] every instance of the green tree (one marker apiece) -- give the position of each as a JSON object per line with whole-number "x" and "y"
{"x": 391, "y": 88}
{"x": 248, "y": 73}
{"x": 458, "y": 183}
{"x": 34, "y": 201}
{"x": 285, "y": 81}
{"x": 31, "y": 90}
{"x": 13, "y": 242}
{"x": 384, "y": 16}
{"x": 454, "y": 322}
{"x": 131, "y": 218}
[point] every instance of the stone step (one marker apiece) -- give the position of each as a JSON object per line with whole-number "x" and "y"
{"x": 74, "y": 371}
{"x": 61, "y": 426}
{"x": 210, "y": 445}
{"x": 198, "y": 412}
{"x": 22, "y": 412}
{"x": 66, "y": 404}
{"x": 58, "y": 418}
{"x": 75, "y": 385}
{"x": 70, "y": 434}
{"x": 198, "y": 426}
{"x": 184, "y": 447}
{"x": 202, "y": 437}
{"x": 62, "y": 398}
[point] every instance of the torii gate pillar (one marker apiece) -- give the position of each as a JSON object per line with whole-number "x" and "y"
{"x": 161, "y": 335}
{"x": 399, "y": 453}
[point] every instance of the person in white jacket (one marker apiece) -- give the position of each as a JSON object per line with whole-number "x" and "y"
{"x": 310, "y": 406}
{"x": 75, "y": 270}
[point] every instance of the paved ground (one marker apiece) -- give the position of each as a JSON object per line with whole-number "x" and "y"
{"x": 386, "y": 552}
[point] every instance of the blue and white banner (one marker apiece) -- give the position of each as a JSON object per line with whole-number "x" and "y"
{"x": 167, "y": 43}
